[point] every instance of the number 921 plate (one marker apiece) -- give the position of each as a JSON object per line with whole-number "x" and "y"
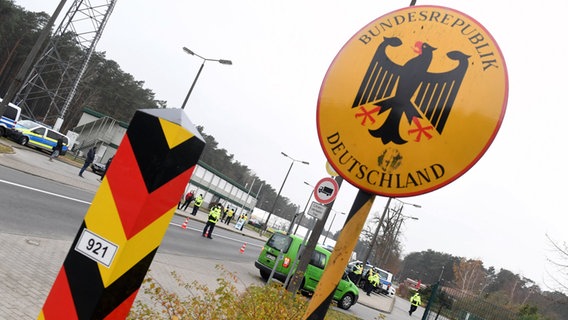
{"x": 96, "y": 247}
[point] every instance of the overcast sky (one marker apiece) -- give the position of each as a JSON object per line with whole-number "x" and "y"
{"x": 265, "y": 103}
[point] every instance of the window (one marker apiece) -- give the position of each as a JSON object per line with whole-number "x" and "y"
{"x": 27, "y": 124}
{"x": 56, "y": 135}
{"x": 199, "y": 172}
{"x": 40, "y": 131}
{"x": 318, "y": 260}
{"x": 53, "y": 135}
{"x": 279, "y": 242}
{"x": 11, "y": 112}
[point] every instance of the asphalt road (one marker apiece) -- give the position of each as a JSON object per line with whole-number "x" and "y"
{"x": 36, "y": 206}
{"x": 45, "y": 213}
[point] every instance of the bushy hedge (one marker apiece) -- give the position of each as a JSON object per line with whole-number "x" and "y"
{"x": 224, "y": 302}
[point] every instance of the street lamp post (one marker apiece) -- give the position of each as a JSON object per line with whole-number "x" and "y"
{"x": 380, "y": 224}
{"x": 398, "y": 223}
{"x": 329, "y": 229}
{"x": 305, "y": 208}
{"x": 400, "y": 217}
{"x": 374, "y": 239}
{"x": 265, "y": 225}
{"x": 221, "y": 61}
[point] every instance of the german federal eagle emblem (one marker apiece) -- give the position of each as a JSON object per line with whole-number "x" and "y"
{"x": 409, "y": 92}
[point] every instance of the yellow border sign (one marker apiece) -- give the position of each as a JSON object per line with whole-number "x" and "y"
{"x": 412, "y": 101}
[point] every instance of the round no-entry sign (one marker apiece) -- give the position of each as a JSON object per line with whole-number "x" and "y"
{"x": 326, "y": 190}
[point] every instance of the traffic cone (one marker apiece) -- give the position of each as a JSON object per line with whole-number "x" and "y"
{"x": 243, "y": 247}
{"x": 184, "y": 225}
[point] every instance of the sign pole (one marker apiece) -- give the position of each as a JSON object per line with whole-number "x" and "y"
{"x": 319, "y": 304}
{"x": 296, "y": 280}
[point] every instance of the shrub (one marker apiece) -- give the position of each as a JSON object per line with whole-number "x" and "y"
{"x": 224, "y": 302}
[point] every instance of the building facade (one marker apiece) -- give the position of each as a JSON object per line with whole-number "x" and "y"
{"x": 106, "y": 133}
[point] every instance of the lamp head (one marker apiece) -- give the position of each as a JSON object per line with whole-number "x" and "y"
{"x": 188, "y": 51}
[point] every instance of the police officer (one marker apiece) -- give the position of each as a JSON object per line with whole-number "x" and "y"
{"x": 415, "y": 301}
{"x": 372, "y": 281}
{"x": 196, "y": 204}
{"x": 229, "y": 216}
{"x": 356, "y": 272}
{"x": 224, "y": 213}
{"x": 214, "y": 215}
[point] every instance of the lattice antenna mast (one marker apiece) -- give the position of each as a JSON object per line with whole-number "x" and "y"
{"x": 51, "y": 84}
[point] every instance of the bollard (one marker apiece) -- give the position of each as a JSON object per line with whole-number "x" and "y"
{"x": 129, "y": 215}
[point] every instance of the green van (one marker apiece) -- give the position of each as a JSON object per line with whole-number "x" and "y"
{"x": 346, "y": 293}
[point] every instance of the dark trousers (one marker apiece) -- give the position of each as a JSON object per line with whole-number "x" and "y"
{"x": 412, "y": 309}
{"x": 369, "y": 287}
{"x": 208, "y": 230}
{"x": 85, "y": 166}
{"x": 194, "y": 211}
{"x": 228, "y": 220}
{"x": 185, "y": 205}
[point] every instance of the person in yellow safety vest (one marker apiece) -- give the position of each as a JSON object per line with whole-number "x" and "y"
{"x": 356, "y": 272}
{"x": 245, "y": 218}
{"x": 373, "y": 280}
{"x": 214, "y": 215}
{"x": 196, "y": 204}
{"x": 224, "y": 213}
{"x": 415, "y": 301}
{"x": 229, "y": 216}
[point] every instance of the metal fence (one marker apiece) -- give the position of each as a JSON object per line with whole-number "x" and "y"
{"x": 451, "y": 304}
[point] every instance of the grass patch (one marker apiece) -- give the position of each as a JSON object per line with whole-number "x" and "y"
{"x": 5, "y": 148}
{"x": 224, "y": 302}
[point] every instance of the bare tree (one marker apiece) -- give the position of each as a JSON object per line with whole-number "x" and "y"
{"x": 469, "y": 274}
{"x": 559, "y": 262}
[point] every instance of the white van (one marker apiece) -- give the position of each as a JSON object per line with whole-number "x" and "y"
{"x": 10, "y": 117}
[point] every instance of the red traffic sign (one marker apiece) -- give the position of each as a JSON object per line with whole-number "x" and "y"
{"x": 326, "y": 190}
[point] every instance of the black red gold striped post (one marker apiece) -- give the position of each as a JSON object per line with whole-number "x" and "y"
{"x": 319, "y": 304}
{"x": 127, "y": 219}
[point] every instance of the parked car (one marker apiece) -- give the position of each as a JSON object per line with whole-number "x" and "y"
{"x": 386, "y": 277}
{"x": 255, "y": 223}
{"x": 36, "y": 135}
{"x": 98, "y": 168}
{"x": 346, "y": 293}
